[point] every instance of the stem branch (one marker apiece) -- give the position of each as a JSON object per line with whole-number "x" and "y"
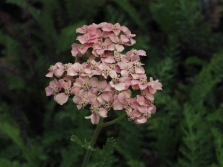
{"x": 95, "y": 136}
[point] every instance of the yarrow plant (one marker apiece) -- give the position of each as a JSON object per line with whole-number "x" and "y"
{"x": 103, "y": 77}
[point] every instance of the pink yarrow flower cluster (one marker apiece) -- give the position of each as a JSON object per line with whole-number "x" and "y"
{"x": 103, "y": 77}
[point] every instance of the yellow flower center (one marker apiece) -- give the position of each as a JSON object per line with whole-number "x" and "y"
{"x": 67, "y": 91}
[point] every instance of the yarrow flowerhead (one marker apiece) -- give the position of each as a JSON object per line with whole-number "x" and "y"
{"x": 107, "y": 78}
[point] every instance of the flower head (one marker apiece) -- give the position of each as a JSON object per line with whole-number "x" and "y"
{"x": 109, "y": 78}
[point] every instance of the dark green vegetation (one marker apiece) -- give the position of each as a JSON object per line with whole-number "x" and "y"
{"x": 185, "y": 52}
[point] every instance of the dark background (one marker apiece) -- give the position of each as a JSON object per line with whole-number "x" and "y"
{"x": 184, "y": 44}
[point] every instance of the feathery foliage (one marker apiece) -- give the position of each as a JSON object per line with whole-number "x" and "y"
{"x": 184, "y": 51}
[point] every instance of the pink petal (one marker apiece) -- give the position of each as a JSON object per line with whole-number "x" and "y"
{"x": 142, "y": 109}
{"x": 141, "y": 120}
{"x": 100, "y": 51}
{"x": 111, "y": 47}
{"x": 150, "y": 97}
{"x": 71, "y": 71}
{"x": 141, "y": 100}
{"x": 82, "y": 30}
{"x": 107, "y": 96}
{"x": 61, "y": 98}
{"x": 141, "y": 53}
{"x": 117, "y": 105}
{"x": 102, "y": 112}
{"x": 94, "y": 81}
{"x": 59, "y": 72}
{"x": 49, "y": 91}
{"x": 112, "y": 74}
{"x": 124, "y": 73}
{"x": 110, "y": 59}
{"x": 114, "y": 38}
{"x": 94, "y": 118}
{"x": 49, "y": 74}
{"x": 122, "y": 97}
{"x": 139, "y": 70}
{"x": 124, "y": 39}
{"x": 132, "y": 41}
{"x": 120, "y": 86}
{"x": 83, "y": 49}
{"x": 101, "y": 100}
{"x": 82, "y": 39}
{"x": 119, "y": 48}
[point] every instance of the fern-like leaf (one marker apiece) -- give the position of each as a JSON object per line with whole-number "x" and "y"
{"x": 106, "y": 154}
{"x": 84, "y": 144}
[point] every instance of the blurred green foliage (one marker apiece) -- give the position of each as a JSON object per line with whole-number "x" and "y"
{"x": 184, "y": 52}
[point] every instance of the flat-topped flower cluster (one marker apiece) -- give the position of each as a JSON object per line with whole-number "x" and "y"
{"x": 103, "y": 77}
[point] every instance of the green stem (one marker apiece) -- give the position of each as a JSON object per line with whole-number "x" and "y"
{"x": 95, "y": 136}
{"x": 114, "y": 121}
{"x": 92, "y": 143}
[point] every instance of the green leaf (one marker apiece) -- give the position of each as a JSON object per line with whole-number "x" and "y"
{"x": 7, "y": 163}
{"x": 131, "y": 11}
{"x": 134, "y": 163}
{"x": 164, "y": 13}
{"x": 84, "y": 144}
{"x": 218, "y": 140}
{"x": 14, "y": 134}
{"x": 106, "y": 154}
{"x": 21, "y": 3}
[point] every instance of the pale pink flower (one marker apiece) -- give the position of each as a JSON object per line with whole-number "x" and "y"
{"x": 127, "y": 69}
{"x": 79, "y": 48}
{"x": 90, "y": 29}
{"x": 108, "y": 78}
{"x": 154, "y": 85}
{"x": 106, "y": 97}
{"x": 84, "y": 85}
{"x": 122, "y": 100}
{"x": 52, "y": 70}
{"x": 58, "y": 69}
{"x": 140, "y": 83}
{"x": 117, "y": 83}
{"x": 82, "y": 30}
{"x": 119, "y": 41}
{"x": 96, "y": 112}
{"x": 105, "y": 93}
{"x": 83, "y": 100}
{"x": 133, "y": 114}
{"x": 103, "y": 87}
{"x": 133, "y": 55}
{"x": 107, "y": 71}
{"x": 62, "y": 97}
{"x": 94, "y": 68}
{"x": 61, "y": 69}
{"x": 94, "y": 118}
{"x": 90, "y": 37}
{"x": 116, "y": 28}
{"x": 114, "y": 67}
{"x": 128, "y": 34}
{"x": 54, "y": 87}
{"x": 100, "y": 47}
{"x": 146, "y": 93}
{"x": 120, "y": 58}
{"x": 142, "y": 104}
{"x": 78, "y": 69}
{"x": 107, "y": 58}
{"x": 145, "y": 116}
